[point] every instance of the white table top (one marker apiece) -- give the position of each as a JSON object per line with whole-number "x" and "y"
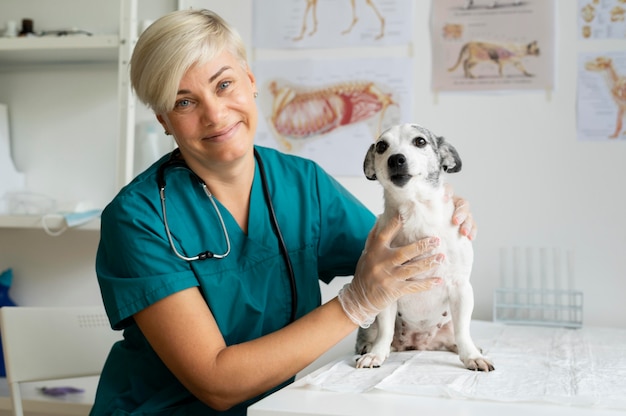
{"x": 306, "y": 398}
{"x": 299, "y": 400}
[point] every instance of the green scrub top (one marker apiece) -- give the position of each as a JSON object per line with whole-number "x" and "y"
{"x": 324, "y": 228}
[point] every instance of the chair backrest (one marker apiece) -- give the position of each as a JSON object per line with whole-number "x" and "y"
{"x": 46, "y": 343}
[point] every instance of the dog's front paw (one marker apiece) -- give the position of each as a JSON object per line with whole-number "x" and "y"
{"x": 479, "y": 364}
{"x": 370, "y": 360}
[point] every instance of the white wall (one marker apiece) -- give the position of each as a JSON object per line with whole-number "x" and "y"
{"x": 529, "y": 181}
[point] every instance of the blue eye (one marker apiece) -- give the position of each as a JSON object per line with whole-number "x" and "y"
{"x": 183, "y": 103}
{"x": 224, "y": 85}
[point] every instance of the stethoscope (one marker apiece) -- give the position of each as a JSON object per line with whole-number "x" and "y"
{"x": 176, "y": 161}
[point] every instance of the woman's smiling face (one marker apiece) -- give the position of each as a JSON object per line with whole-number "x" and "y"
{"x": 214, "y": 119}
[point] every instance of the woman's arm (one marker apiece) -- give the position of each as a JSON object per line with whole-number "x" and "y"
{"x": 185, "y": 335}
{"x": 183, "y": 332}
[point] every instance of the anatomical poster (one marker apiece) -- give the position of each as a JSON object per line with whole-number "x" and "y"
{"x": 492, "y": 45}
{"x": 331, "y": 110}
{"x": 602, "y": 19}
{"x": 601, "y": 101}
{"x": 288, "y": 24}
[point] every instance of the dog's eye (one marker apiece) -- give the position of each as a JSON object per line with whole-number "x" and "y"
{"x": 419, "y": 142}
{"x": 381, "y": 147}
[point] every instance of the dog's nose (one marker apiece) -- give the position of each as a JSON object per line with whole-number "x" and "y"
{"x": 397, "y": 161}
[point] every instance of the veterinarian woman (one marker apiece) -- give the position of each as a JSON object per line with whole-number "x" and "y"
{"x": 210, "y": 259}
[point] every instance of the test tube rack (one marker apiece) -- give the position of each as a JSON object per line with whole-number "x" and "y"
{"x": 537, "y": 288}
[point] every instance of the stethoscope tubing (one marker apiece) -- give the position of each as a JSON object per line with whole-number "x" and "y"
{"x": 205, "y": 254}
{"x": 175, "y": 161}
{"x": 279, "y": 235}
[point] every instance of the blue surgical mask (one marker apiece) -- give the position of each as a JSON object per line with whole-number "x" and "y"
{"x": 69, "y": 220}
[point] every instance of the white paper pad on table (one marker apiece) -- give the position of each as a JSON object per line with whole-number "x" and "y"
{"x": 585, "y": 367}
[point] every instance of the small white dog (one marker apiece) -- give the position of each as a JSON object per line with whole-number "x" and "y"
{"x": 409, "y": 161}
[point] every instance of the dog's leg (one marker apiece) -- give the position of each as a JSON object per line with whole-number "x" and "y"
{"x": 462, "y": 306}
{"x": 381, "y": 347}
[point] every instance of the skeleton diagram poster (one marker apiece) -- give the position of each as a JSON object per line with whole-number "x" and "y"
{"x": 331, "y": 23}
{"x": 325, "y": 105}
{"x": 602, "y": 19}
{"x": 492, "y": 45}
{"x": 331, "y": 110}
{"x": 601, "y": 105}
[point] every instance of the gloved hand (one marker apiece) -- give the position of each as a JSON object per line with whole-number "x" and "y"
{"x": 384, "y": 273}
{"x": 462, "y": 216}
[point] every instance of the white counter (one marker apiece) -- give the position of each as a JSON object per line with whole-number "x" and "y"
{"x": 539, "y": 371}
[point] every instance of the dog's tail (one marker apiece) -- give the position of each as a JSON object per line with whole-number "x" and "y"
{"x": 462, "y": 53}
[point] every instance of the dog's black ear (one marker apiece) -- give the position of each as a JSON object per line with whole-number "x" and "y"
{"x": 368, "y": 164}
{"x": 450, "y": 160}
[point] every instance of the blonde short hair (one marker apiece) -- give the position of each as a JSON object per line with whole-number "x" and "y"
{"x": 173, "y": 44}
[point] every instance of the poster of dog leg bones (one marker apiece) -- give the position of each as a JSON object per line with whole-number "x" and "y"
{"x": 331, "y": 23}
{"x": 492, "y": 45}
{"x": 331, "y": 110}
{"x": 601, "y": 106}
{"x": 602, "y": 19}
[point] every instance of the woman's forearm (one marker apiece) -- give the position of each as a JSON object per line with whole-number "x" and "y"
{"x": 253, "y": 367}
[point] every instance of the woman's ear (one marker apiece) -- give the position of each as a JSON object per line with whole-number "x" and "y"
{"x": 251, "y": 78}
{"x": 163, "y": 123}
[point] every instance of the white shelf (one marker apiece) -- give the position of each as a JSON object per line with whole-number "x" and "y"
{"x": 40, "y": 53}
{"x": 58, "y": 49}
{"x": 34, "y": 221}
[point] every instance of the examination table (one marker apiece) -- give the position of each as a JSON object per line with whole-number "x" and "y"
{"x": 539, "y": 371}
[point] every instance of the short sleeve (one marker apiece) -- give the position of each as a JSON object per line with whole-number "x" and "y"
{"x": 134, "y": 264}
{"x": 346, "y": 223}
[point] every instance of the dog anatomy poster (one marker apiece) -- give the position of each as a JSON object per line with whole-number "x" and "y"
{"x": 601, "y": 106}
{"x": 602, "y": 19}
{"x": 331, "y": 23}
{"x": 492, "y": 45}
{"x": 331, "y": 110}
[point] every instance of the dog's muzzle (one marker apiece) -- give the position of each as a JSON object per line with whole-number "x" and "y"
{"x": 398, "y": 169}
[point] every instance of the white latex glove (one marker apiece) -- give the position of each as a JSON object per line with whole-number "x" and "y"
{"x": 462, "y": 215}
{"x": 384, "y": 273}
